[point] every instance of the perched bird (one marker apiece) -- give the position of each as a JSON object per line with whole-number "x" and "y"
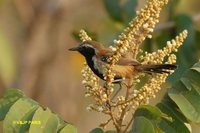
{"x": 97, "y": 56}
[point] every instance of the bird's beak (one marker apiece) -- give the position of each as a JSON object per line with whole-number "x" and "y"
{"x": 74, "y": 49}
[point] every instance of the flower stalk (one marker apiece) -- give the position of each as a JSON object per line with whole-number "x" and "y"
{"x": 140, "y": 28}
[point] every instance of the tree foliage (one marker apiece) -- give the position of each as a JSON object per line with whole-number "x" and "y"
{"x": 20, "y": 114}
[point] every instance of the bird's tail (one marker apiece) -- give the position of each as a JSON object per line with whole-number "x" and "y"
{"x": 162, "y": 68}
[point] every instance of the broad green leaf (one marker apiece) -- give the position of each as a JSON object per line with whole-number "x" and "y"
{"x": 167, "y": 127}
{"x": 113, "y": 8}
{"x": 48, "y": 122}
{"x": 149, "y": 112}
{"x": 188, "y": 102}
{"x": 182, "y": 103}
{"x": 142, "y": 125}
{"x": 186, "y": 94}
{"x": 177, "y": 125}
{"x": 19, "y": 116}
{"x": 9, "y": 98}
{"x": 97, "y": 130}
{"x": 21, "y": 113}
{"x": 153, "y": 114}
{"x": 170, "y": 108}
{"x": 186, "y": 83}
{"x": 193, "y": 77}
{"x": 158, "y": 130}
{"x": 69, "y": 129}
{"x": 61, "y": 124}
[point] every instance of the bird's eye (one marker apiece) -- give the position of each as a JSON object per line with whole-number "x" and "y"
{"x": 104, "y": 58}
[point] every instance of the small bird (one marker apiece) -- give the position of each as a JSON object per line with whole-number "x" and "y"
{"x": 97, "y": 57}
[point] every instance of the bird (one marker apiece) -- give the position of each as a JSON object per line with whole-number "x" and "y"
{"x": 97, "y": 57}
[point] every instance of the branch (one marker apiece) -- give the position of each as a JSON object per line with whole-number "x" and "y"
{"x": 169, "y": 25}
{"x": 129, "y": 123}
{"x": 128, "y": 93}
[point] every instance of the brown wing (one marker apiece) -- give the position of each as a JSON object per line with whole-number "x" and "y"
{"x": 125, "y": 60}
{"x": 128, "y": 62}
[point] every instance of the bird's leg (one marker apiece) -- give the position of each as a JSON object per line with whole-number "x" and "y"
{"x": 118, "y": 90}
{"x": 120, "y": 87}
{"x": 120, "y": 81}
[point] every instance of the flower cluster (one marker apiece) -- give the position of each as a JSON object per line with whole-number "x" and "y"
{"x": 142, "y": 96}
{"x": 139, "y": 28}
{"x": 128, "y": 43}
{"x": 92, "y": 84}
{"x": 172, "y": 46}
{"x": 90, "y": 81}
{"x": 83, "y": 36}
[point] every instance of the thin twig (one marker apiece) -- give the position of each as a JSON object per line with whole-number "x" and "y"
{"x": 128, "y": 93}
{"x": 114, "y": 120}
{"x": 129, "y": 123}
{"x": 106, "y": 123}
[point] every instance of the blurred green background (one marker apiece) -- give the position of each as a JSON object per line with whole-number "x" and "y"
{"x": 35, "y": 36}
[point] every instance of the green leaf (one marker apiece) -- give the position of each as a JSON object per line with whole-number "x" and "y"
{"x": 69, "y": 129}
{"x": 182, "y": 103}
{"x": 186, "y": 83}
{"x": 19, "y": 115}
{"x": 48, "y": 121}
{"x": 168, "y": 107}
{"x": 97, "y": 130}
{"x": 186, "y": 94}
{"x": 158, "y": 130}
{"x": 188, "y": 102}
{"x": 149, "y": 112}
{"x": 177, "y": 124}
{"x": 61, "y": 124}
{"x": 142, "y": 125}
{"x": 113, "y": 8}
{"x": 153, "y": 114}
{"x": 193, "y": 77}
{"x": 9, "y": 98}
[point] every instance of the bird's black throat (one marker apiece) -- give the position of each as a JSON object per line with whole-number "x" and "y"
{"x": 91, "y": 64}
{"x": 89, "y": 53}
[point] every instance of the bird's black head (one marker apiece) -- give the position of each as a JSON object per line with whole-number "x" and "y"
{"x": 87, "y": 49}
